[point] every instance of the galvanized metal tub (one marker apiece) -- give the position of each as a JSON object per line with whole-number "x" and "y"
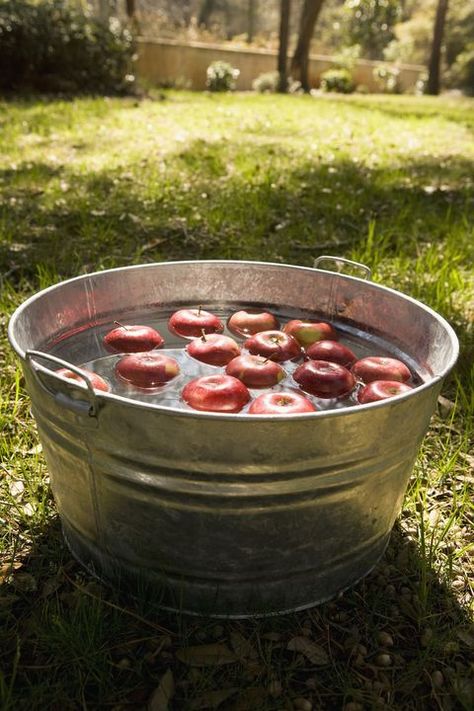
{"x": 227, "y": 515}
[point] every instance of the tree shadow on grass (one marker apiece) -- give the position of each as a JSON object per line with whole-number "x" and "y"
{"x": 460, "y": 113}
{"x": 398, "y": 639}
{"x": 71, "y": 223}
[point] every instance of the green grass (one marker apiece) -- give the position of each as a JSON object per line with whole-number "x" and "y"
{"x": 96, "y": 183}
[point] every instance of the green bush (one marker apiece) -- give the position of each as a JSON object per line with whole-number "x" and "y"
{"x": 461, "y": 73}
{"x": 268, "y": 83}
{"x": 338, "y": 80}
{"x": 387, "y": 77}
{"x": 221, "y": 76}
{"x": 52, "y": 46}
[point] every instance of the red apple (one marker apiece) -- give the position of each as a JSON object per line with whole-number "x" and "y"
{"x": 281, "y": 403}
{"x": 190, "y": 323}
{"x": 324, "y": 379}
{"x": 380, "y": 368}
{"x": 255, "y": 371}
{"x": 276, "y": 345}
{"x": 98, "y": 383}
{"x": 216, "y": 393}
{"x": 247, "y": 323}
{"x": 381, "y": 390}
{"x": 308, "y": 332}
{"x": 331, "y": 350}
{"x": 132, "y": 339}
{"x": 213, "y": 349}
{"x": 147, "y": 370}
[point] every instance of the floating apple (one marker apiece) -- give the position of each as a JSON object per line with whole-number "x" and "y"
{"x": 97, "y": 382}
{"x": 281, "y": 403}
{"x": 308, "y": 332}
{"x": 190, "y": 323}
{"x": 247, "y": 323}
{"x": 213, "y": 349}
{"x": 334, "y": 351}
{"x": 380, "y": 368}
{"x": 147, "y": 370}
{"x": 216, "y": 393}
{"x": 381, "y": 390}
{"x": 255, "y": 371}
{"x": 276, "y": 345}
{"x": 324, "y": 379}
{"x": 132, "y": 339}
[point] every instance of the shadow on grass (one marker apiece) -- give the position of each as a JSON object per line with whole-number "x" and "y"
{"x": 461, "y": 114}
{"x": 70, "y": 223}
{"x": 398, "y": 639}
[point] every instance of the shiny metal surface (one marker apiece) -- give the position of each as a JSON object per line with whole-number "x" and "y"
{"x": 228, "y": 515}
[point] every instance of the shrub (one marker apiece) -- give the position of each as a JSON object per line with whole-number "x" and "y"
{"x": 339, "y": 80}
{"x": 268, "y": 84}
{"x": 388, "y": 78}
{"x": 52, "y": 46}
{"x": 461, "y": 73}
{"x": 221, "y": 76}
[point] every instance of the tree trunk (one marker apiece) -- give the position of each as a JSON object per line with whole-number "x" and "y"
{"x": 130, "y": 8}
{"x": 432, "y": 86}
{"x": 251, "y": 14}
{"x": 205, "y": 13}
{"x": 285, "y": 9}
{"x": 186, "y": 12}
{"x": 104, "y": 11}
{"x": 300, "y": 61}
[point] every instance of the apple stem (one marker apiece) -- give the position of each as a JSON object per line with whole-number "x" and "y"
{"x": 199, "y": 309}
{"x": 121, "y": 325}
{"x": 203, "y": 335}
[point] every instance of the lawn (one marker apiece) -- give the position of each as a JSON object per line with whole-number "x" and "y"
{"x": 95, "y": 183}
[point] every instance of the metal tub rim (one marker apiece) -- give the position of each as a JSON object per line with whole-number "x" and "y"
{"x": 103, "y": 397}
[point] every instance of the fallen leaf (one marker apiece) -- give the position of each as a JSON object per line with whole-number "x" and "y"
{"x": 51, "y": 585}
{"x": 242, "y": 647}
{"x": 206, "y": 655}
{"x": 6, "y": 601}
{"x": 213, "y": 699}
{"x": 164, "y": 692}
{"x": 445, "y": 405}
{"x": 312, "y": 651}
{"x": 24, "y": 582}
{"x": 464, "y": 689}
{"x": 7, "y": 569}
{"x": 434, "y": 517}
{"x": 466, "y": 636}
{"x": 37, "y": 449}
{"x": 151, "y": 245}
{"x": 467, "y": 458}
{"x": 16, "y": 488}
{"x": 29, "y": 510}
{"x": 251, "y": 698}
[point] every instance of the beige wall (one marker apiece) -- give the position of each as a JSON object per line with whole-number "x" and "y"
{"x": 167, "y": 61}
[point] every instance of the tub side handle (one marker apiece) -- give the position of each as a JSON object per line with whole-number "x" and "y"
{"x": 79, "y": 406}
{"x": 367, "y": 272}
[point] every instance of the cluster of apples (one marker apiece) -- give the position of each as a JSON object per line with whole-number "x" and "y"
{"x": 330, "y": 369}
